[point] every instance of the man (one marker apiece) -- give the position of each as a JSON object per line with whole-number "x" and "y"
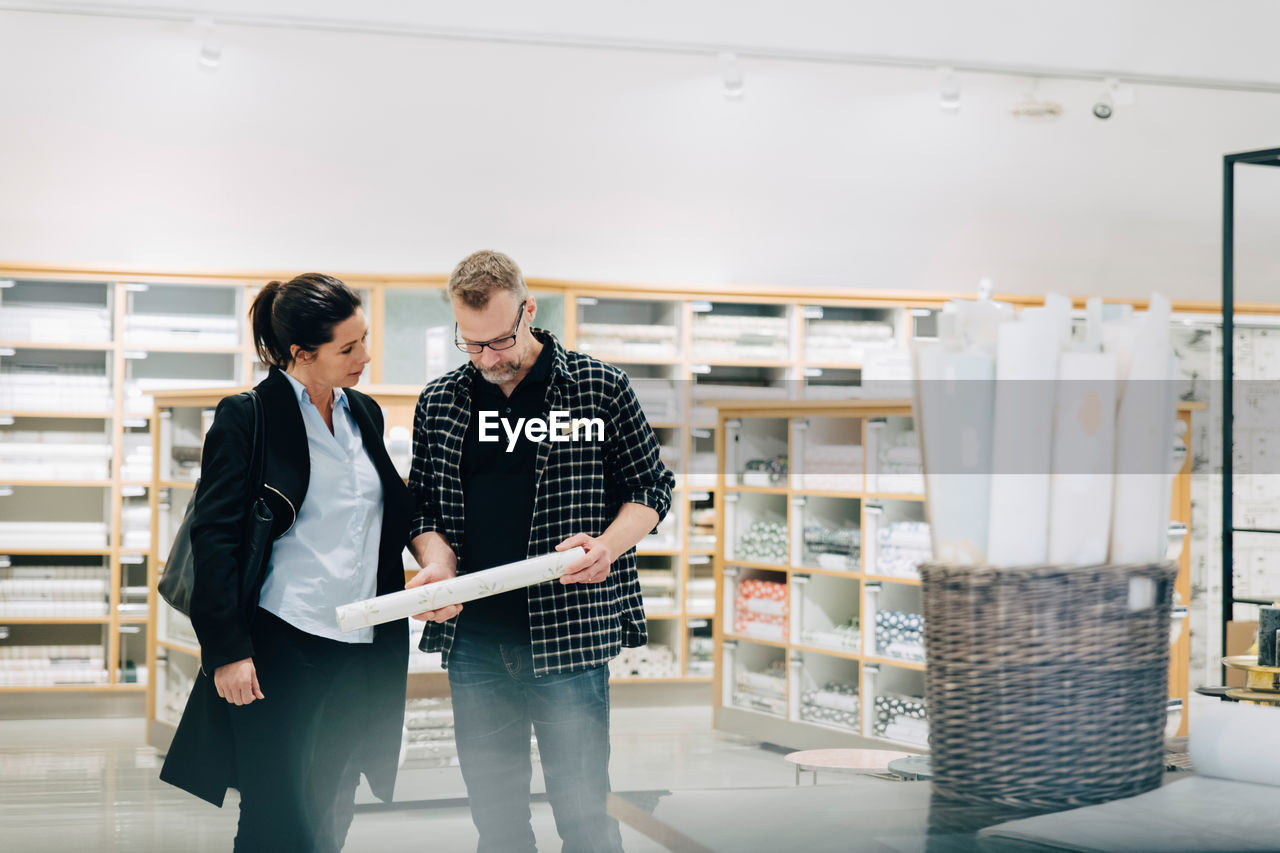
{"x": 488, "y": 493}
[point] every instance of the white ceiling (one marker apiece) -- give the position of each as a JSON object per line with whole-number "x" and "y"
{"x": 1230, "y": 41}
{"x": 310, "y": 147}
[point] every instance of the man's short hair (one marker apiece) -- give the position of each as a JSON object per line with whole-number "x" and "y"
{"x": 481, "y": 274}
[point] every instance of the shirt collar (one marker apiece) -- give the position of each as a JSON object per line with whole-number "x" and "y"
{"x": 300, "y": 391}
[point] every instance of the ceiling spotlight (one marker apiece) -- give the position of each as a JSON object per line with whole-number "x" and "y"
{"x": 1106, "y": 104}
{"x": 732, "y": 77}
{"x": 949, "y": 90}
{"x": 1033, "y": 109}
{"x": 211, "y": 47}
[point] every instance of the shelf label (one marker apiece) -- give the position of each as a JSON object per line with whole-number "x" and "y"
{"x": 700, "y": 306}
{"x": 811, "y": 312}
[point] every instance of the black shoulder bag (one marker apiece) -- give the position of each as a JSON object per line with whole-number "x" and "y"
{"x": 178, "y": 579}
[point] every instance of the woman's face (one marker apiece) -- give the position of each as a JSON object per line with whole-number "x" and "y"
{"x": 339, "y": 363}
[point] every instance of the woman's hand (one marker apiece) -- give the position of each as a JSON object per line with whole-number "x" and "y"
{"x": 431, "y": 573}
{"x": 238, "y": 682}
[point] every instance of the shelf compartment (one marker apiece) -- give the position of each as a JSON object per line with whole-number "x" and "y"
{"x": 840, "y": 334}
{"x": 746, "y": 383}
{"x": 629, "y": 330}
{"x": 658, "y": 659}
{"x": 44, "y": 380}
{"x": 825, "y": 692}
{"x": 165, "y": 371}
{"x": 52, "y": 655}
{"x": 755, "y": 528}
{"x": 162, "y": 316}
{"x": 756, "y": 453}
{"x": 51, "y": 450}
{"x": 826, "y": 533}
{"x": 741, "y": 332}
{"x": 54, "y": 517}
{"x": 894, "y": 463}
{"x": 756, "y": 677}
{"x": 826, "y": 612}
{"x": 896, "y": 540}
{"x": 56, "y": 312}
{"x": 67, "y": 589}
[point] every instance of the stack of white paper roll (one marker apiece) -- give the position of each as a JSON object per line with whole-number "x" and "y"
{"x": 1043, "y": 449}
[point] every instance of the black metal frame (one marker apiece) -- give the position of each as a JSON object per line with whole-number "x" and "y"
{"x": 1269, "y": 157}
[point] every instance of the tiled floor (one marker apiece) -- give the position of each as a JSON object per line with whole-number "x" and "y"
{"x": 90, "y": 785}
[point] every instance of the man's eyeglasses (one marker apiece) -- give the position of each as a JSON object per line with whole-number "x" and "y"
{"x": 497, "y": 344}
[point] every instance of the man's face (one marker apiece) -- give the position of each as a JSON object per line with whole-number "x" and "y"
{"x": 496, "y": 322}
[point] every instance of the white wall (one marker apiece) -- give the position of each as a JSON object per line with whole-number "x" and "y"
{"x": 384, "y": 154}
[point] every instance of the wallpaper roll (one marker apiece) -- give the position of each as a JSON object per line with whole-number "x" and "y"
{"x": 1026, "y": 367}
{"x": 1080, "y": 486}
{"x": 1238, "y": 742}
{"x": 468, "y": 587}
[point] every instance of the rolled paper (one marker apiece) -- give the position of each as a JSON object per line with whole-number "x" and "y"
{"x": 464, "y": 588}
{"x": 1268, "y": 624}
{"x": 1236, "y": 741}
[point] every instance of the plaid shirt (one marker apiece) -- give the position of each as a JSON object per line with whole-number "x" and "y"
{"x": 580, "y": 486}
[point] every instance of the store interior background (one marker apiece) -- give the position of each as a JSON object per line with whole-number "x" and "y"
{"x": 594, "y": 142}
{"x": 309, "y": 148}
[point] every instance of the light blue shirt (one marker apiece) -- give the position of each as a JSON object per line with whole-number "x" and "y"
{"x": 330, "y": 555}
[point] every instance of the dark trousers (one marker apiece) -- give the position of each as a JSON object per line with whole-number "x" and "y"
{"x": 496, "y": 700}
{"x": 294, "y": 750}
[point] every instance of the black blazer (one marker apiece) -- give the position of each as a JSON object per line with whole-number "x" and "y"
{"x": 200, "y": 759}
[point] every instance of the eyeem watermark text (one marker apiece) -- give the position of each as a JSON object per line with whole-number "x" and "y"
{"x": 559, "y": 427}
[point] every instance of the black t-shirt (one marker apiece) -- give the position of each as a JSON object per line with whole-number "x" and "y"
{"x": 499, "y": 490}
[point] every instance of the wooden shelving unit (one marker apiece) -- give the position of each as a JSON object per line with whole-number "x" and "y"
{"x": 855, "y": 593}
{"x": 409, "y": 315}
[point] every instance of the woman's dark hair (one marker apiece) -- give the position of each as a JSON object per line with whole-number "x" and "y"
{"x": 302, "y": 311}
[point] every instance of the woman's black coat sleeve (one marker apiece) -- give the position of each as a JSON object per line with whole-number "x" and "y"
{"x": 217, "y": 532}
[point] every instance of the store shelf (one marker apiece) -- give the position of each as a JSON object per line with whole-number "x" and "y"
{"x": 768, "y": 567}
{"x": 178, "y": 647}
{"x": 73, "y": 345}
{"x": 56, "y": 552}
{"x": 892, "y": 579}
{"x": 176, "y": 484}
{"x": 830, "y": 573}
{"x": 745, "y": 639}
{"x": 57, "y": 414}
{"x": 659, "y": 615}
{"x": 827, "y": 493}
{"x": 832, "y": 365}
{"x": 835, "y": 653}
{"x": 185, "y": 349}
{"x": 73, "y": 484}
{"x": 55, "y": 620}
{"x": 901, "y": 664}
{"x": 895, "y": 496}
{"x": 759, "y": 490}
{"x": 74, "y": 688}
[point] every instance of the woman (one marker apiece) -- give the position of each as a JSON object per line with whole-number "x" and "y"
{"x": 286, "y": 708}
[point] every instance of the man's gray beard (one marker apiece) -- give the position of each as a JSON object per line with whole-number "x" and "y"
{"x": 498, "y": 377}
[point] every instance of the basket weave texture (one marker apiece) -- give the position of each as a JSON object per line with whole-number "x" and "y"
{"x": 1044, "y": 689}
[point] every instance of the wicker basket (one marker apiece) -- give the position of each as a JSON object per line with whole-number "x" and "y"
{"x": 1045, "y": 690}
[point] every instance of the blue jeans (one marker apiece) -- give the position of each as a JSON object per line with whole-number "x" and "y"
{"x": 496, "y": 699}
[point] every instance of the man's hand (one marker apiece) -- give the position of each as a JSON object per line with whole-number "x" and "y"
{"x": 430, "y": 574}
{"x": 594, "y": 565}
{"x": 237, "y": 682}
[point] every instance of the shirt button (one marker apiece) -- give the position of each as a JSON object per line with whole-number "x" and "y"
{"x": 359, "y": 565}
{"x": 359, "y": 530}
{"x": 508, "y": 410}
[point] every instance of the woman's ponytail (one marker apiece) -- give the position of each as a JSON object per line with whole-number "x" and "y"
{"x": 265, "y": 340}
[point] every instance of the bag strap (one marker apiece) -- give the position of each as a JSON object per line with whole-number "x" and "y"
{"x": 257, "y": 456}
